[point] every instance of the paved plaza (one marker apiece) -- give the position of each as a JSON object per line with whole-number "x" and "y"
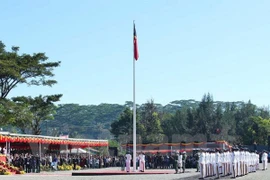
{"x": 191, "y": 174}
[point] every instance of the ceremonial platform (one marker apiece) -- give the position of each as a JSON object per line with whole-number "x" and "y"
{"x": 108, "y": 172}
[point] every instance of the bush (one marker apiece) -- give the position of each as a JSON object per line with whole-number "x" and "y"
{"x": 45, "y": 168}
{"x": 77, "y": 167}
{"x": 65, "y": 167}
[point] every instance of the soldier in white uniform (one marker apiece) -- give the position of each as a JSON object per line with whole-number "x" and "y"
{"x": 213, "y": 162}
{"x": 234, "y": 163}
{"x": 202, "y": 164}
{"x": 242, "y": 161}
{"x": 264, "y": 160}
{"x": 222, "y": 160}
{"x": 230, "y": 162}
{"x": 257, "y": 160}
{"x": 128, "y": 159}
{"x": 238, "y": 163}
{"x": 246, "y": 161}
{"x": 207, "y": 163}
{"x": 142, "y": 162}
{"x": 217, "y": 163}
{"x": 226, "y": 162}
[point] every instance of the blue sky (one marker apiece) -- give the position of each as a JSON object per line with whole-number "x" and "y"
{"x": 187, "y": 48}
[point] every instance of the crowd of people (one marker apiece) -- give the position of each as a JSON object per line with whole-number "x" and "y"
{"x": 31, "y": 163}
{"x": 235, "y": 162}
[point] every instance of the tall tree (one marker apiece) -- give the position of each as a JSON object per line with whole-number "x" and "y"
{"x": 6, "y": 115}
{"x": 243, "y": 121}
{"x": 259, "y": 130}
{"x": 264, "y": 112}
{"x": 205, "y": 114}
{"x": 123, "y": 125}
{"x": 150, "y": 122}
{"x": 22, "y": 117}
{"x": 191, "y": 121}
{"x": 167, "y": 127}
{"x": 218, "y": 124}
{"x": 122, "y": 128}
{"x": 228, "y": 130}
{"x": 42, "y": 108}
{"x": 24, "y": 69}
{"x": 179, "y": 121}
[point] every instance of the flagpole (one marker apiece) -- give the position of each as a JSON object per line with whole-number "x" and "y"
{"x": 134, "y": 110}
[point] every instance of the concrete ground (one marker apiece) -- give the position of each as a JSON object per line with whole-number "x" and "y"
{"x": 191, "y": 174}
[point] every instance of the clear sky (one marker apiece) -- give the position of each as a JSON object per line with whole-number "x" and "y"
{"x": 187, "y": 48}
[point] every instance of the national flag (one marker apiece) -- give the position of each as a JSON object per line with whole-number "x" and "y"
{"x": 135, "y": 43}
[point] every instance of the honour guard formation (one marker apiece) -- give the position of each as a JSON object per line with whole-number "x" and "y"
{"x": 235, "y": 162}
{"x": 214, "y": 163}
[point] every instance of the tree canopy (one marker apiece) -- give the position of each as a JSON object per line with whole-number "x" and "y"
{"x": 24, "y": 69}
{"x": 25, "y": 113}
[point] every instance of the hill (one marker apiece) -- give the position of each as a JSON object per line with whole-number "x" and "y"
{"x": 93, "y": 121}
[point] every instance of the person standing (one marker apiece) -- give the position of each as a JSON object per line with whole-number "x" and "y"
{"x": 202, "y": 164}
{"x": 27, "y": 164}
{"x": 197, "y": 157}
{"x": 122, "y": 162}
{"x": 128, "y": 159}
{"x": 142, "y": 162}
{"x": 234, "y": 163}
{"x": 217, "y": 163}
{"x": 184, "y": 158}
{"x": 180, "y": 162}
{"x": 264, "y": 160}
{"x": 38, "y": 163}
{"x": 175, "y": 160}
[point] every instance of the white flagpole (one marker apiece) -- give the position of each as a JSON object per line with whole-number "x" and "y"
{"x": 134, "y": 109}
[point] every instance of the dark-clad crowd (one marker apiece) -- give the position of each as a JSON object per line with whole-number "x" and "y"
{"x": 33, "y": 163}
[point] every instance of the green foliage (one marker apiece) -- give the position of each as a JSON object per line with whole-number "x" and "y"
{"x": 243, "y": 121}
{"x": 123, "y": 126}
{"x": 204, "y": 120}
{"x": 84, "y": 121}
{"x": 167, "y": 126}
{"x": 42, "y": 108}
{"x": 24, "y": 69}
{"x": 259, "y": 130}
{"x": 113, "y": 143}
{"x": 150, "y": 123}
{"x": 22, "y": 116}
{"x": 191, "y": 120}
{"x": 15, "y": 69}
{"x": 205, "y": 114}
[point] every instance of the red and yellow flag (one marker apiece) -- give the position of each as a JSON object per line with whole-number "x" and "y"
{"x": 135, "y": 43}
